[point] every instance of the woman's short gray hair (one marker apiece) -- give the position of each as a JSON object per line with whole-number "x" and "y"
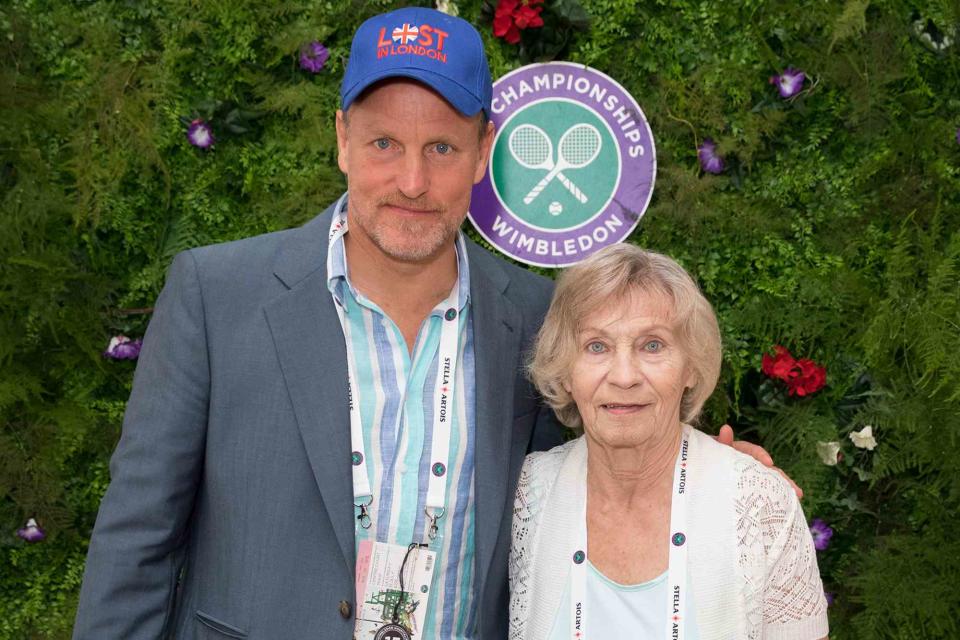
{"x": 608, "y": 276}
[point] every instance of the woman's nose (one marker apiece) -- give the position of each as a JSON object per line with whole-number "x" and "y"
{"x": 625, "y": 369}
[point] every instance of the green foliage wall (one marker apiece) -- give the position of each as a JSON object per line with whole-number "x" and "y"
{"x": 834, "y": 231}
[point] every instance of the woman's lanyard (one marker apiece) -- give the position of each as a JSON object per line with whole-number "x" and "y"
{"x": 677, "y": 569}
{"x": 442, "y": 405}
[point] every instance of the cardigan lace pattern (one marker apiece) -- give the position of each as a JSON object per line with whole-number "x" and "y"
{"x": 782, "y": 586}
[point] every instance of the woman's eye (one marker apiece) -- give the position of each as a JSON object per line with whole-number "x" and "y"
{"x": 382, "y": 143}
{"x": 443, "y": 148}
{"x": 654, "y": 346}
{"x": 596, "y": 347}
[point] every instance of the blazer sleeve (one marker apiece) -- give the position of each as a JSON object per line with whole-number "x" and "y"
{"x": 135, "y": 553}
{"x": 547, "y": 431}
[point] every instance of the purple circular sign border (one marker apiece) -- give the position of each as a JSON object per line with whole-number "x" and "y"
{"x": 630, "y": 199}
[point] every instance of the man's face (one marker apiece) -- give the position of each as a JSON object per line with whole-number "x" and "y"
{"x": 411, "y": 160}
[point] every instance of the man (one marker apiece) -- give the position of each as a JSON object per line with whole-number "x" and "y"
{"x": 235, "y": 460}
{"x": 250, "y": 472}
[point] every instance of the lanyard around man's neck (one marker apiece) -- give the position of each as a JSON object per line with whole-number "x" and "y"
{"x": 443, "y": 394}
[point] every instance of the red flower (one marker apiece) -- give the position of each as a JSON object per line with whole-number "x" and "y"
{"x": 810, "y": 378}
{"x": 503, "y": 26}
{"x": 780, "y": 365}
{"x": 528, "y": 14}
{"x": 803, "y": 376}
{"x": 513, "y": 15}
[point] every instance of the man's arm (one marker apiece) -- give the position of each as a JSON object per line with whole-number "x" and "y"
{"x": 135, "y": 554}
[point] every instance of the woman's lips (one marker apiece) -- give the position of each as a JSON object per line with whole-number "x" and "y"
{"x": 623, "y": 409}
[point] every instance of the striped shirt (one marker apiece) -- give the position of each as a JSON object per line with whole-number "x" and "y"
{"x": 396, "y": 393}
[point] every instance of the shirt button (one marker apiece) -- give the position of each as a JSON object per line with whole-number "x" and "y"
{"x": 345, "y": 610}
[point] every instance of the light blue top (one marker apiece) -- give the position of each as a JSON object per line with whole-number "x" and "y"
{"x": 396, "y": 393}
{"x": 623, "y": 612}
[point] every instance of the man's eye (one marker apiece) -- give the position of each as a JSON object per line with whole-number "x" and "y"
{"x": 596, "y": 347}
{"x": 443, "y": 148}
{"x": 382, "y": 143}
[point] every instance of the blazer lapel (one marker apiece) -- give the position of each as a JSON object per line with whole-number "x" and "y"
{"x": 497, "y": 335}
{"x": 310, "y": 346}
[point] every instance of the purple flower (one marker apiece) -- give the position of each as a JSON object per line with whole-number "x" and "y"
{"x": 313, "y": 57}
{"x": 789, "y": 83}
{"x": 31, "y": 532}
{"x": 123, "y": 348}
{"x": 199, "y": 134}
{"x": 709, "y": 160}
{"x": 830, "y": 596}
{"x": 958, "y": 135}
{"x": 821, "y": 534}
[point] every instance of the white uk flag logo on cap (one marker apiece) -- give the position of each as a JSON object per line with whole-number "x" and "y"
{"x": 405, "y": 34}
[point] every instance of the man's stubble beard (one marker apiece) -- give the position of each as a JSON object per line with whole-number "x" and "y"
{"x": 429, "y": 240}
{"x": 418, "y": 240}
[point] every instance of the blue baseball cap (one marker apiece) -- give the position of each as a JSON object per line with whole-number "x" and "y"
{"x": 441, "y": 51}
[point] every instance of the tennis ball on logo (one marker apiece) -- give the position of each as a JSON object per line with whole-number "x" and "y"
{"x": 555, "y": 208}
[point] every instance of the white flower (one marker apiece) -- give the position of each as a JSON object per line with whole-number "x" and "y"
{"x": 448, "y": 7}
{"x": 864, "y": 438}
{"x": 828, "y": 452}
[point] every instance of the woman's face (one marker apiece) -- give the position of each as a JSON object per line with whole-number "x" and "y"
{"x": 630, "y": 371}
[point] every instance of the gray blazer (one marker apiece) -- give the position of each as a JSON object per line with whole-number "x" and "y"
{"x": 230, "y": 514}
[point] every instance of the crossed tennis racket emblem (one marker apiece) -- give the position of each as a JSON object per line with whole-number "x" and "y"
{"x": 532, "y": 148}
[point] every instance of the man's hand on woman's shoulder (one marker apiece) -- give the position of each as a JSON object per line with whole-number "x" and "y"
{"x": 756, "y": 452}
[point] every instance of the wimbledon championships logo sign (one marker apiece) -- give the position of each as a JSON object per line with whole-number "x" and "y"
{"x": 572, "y": 167}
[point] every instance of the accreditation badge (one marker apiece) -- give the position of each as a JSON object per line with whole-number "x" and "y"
{"x": 394, "y": 584}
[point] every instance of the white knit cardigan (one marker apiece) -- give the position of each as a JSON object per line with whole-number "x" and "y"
{"x": 752, "y": 563}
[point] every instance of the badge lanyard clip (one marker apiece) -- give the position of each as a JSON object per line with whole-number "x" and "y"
{"x": 363, "y": 514}
{"x": 433, "y": 516}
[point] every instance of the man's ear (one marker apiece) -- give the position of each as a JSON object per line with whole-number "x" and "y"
{"x": 342, "y": 141}
{"x": 486, "y": 144}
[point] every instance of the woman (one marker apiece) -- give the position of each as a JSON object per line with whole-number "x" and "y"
{"x": 644, "y": 527}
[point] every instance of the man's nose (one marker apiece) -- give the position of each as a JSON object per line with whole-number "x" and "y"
{"x": 413, "y": 179}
